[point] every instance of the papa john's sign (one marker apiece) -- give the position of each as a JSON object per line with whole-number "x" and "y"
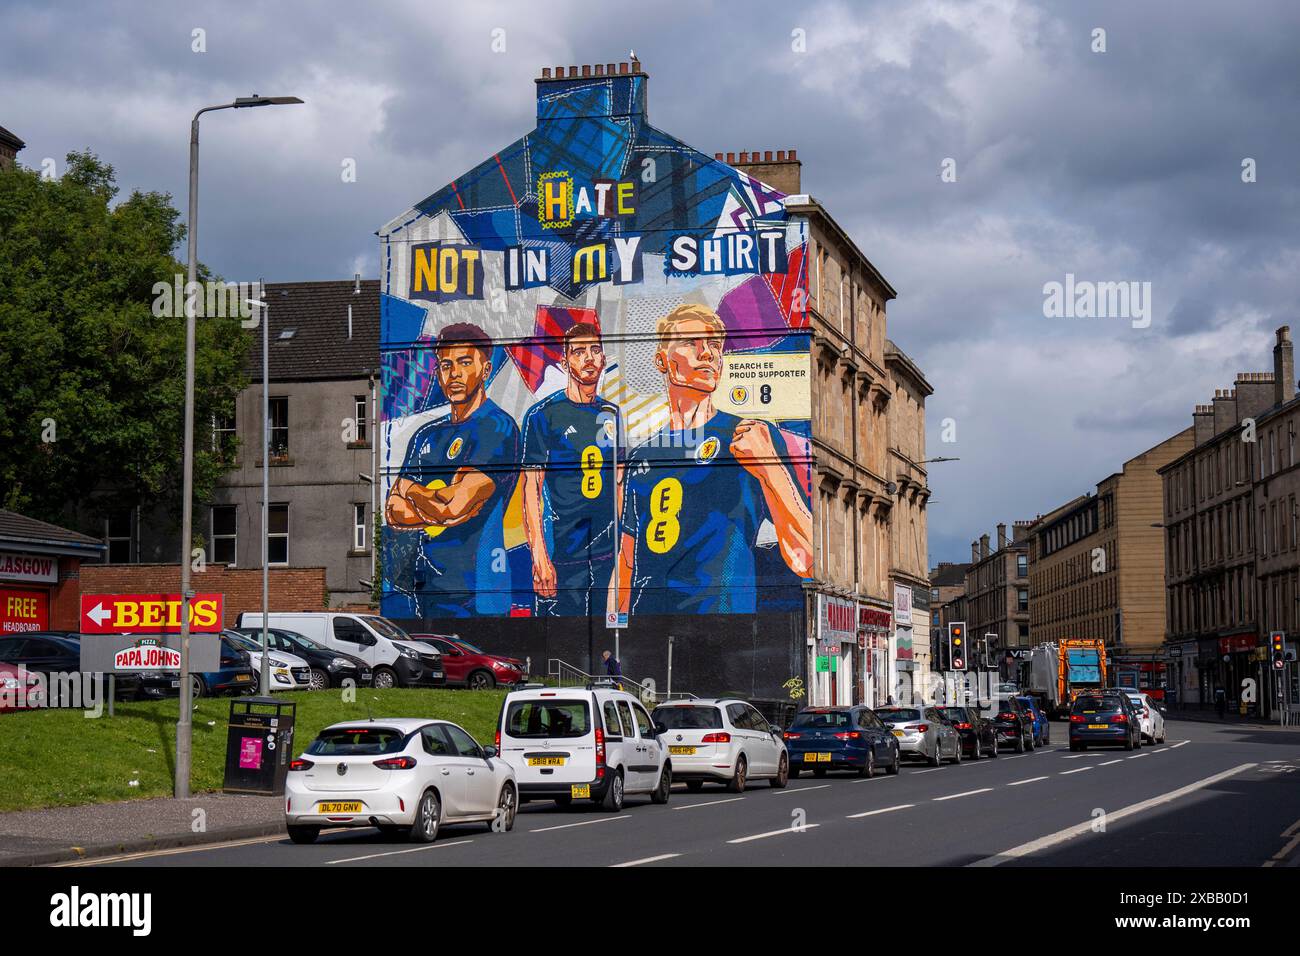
{"x": 147, "y": 654}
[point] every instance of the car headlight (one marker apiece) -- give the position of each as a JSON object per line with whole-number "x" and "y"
{"x": 408, "y": 652}
{"x": 340, "y": 663}
{"x": 278, "y": 663}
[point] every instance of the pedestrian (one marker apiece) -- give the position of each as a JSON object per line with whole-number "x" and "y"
{"x": 612, "y": 667}
{"x": 1220, "y": 702}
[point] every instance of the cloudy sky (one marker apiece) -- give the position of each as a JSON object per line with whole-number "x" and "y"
{"x": 1123, "y": 165}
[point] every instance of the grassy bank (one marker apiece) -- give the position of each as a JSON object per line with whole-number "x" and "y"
{"x": 52, "y": 758}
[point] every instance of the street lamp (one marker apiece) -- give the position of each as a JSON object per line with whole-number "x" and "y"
{"x": 181, "y": 788}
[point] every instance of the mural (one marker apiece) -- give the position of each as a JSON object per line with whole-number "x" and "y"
{"x": 596, "y": 392}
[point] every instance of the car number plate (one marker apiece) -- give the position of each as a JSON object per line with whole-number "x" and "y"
{"x": 242, "y": 678}
{"x": 365, "y": 675}
{"x": 580, "y": 791}
{"x": 682, "y": 751}
{"x": 1099, "y": 726}
{"x": 898, "y": 733}
{"x": 816, "y": 758}
{"x": 546, "y": 761}
{"x": 338, "y": 808}
{"x": 176, "y": 683}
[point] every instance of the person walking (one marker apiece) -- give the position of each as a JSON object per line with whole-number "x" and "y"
{"x": 1220, "y": 702}
{"x": 612, "y": 667}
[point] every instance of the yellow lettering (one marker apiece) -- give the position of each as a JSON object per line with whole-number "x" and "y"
{"x": 203, "y": 613}
{"x": 151, "y": 613}
{"x": 665, "y": 504}
{"x": 625, "y": 193}
{"x": 591, "y": 260}
{"x": 448, "y": 260}
{"x": 426, "y": 278}
{"x": 555, "y": 198}
{"x": 128, "y": 615}
{"x": 469, "y": 257}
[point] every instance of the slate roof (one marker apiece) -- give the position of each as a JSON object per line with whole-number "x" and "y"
{"x": 10, "y": 140}
{"x": 16, "y": 529}
{"x": 319, "y": 349}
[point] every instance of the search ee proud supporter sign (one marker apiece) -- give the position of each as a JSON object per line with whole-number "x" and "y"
{"x": 148, "y": 614}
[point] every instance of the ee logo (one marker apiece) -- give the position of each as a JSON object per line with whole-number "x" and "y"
{"x": 592, "y": 460}
{"x": 665, "y": 504}
{"x": 433, "y": 530}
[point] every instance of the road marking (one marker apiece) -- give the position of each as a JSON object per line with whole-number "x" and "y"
{"x": 1030, "y": 780}
{"x": 1070, "y": 833}
{"x": 802, "y": 789}
{"x": 708, "y": 803}
{"x": 1181, "y": 743}
{"x": 1109, "y": 762}
{"x": 1291, "y": 830}
{"x": 648, "y": 859}
{"x": 968, "y": 793}
{"x": 414, "y": 849}
{"x": 1135, "y": 756}
{"x": 872, "y": 813}
{"x": 772, "y": 833}
{"x": 1077, "y": 756}
{"x": 1016, "y": 757}
{"x": 1066, "y": 773}
{"x": 173, "y": 851}
{"x": 931, "y": 770}
{"x": 1285, "y": 851}
{"x": 584, "y": 823}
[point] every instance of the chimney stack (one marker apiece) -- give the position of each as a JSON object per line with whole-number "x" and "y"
{"x": 974, "y": 552}
{"x": 984, "y": 546}
{"x": 1283, "y": 367}
{"x": 1002, "y": 535}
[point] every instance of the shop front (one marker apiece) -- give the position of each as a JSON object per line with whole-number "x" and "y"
{"x": 835, "y": 653}
{"x": 874, "y": 625}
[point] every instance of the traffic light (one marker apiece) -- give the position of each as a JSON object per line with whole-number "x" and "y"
{"x": 1278, "y": 640}
{"x": 957, "y": 645}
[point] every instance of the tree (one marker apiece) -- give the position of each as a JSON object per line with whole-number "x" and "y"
{"x": 92, "y": 408}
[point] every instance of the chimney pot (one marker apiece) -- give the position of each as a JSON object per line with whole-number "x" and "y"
{"x": 792, "y": 155}
{"x": 586, "y": 69}
{"x": 573, "y": 71}
{"x": 622, "y": 68}
{"x": 546, "y": 72}
{"x": 984, "y": 546}
{"x": 717, "y": 156}
{"x": 1002, "y": 536}
{"x": 600, "y": 69}
{"x": 780, "y": 156}
{"x": 1283, "y": 367}
{"x": 767, "y": 155}
{"x": 731, "y": 158}
{"x": 609, "y": 69}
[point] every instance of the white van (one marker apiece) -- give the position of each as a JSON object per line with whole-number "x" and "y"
{"x": 395, "y": 657}
{"x": 594, "y": 743}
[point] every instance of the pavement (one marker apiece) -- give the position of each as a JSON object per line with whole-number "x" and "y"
{"x": 1212, "y": 795}
{"x": 36, "y": 837}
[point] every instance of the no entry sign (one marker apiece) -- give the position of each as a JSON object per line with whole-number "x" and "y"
{"x": 148, "y": 614}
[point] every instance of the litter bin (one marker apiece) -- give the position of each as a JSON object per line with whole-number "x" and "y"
{"x": 259, "y": 746}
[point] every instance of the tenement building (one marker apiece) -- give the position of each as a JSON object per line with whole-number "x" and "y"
{"x": 997, "y": 596}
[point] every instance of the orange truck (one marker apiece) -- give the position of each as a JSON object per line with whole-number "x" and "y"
{"x": 1059, "y": 671}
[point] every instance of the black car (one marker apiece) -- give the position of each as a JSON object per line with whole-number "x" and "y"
{"x": 52, "y": 653}
{"x": 978, "y": 735}
{"x": 1014, "y": 724}
{"x": 1105, "y": 718}
{"x": 840, "y": 738}
{"x": 329, "y": 668}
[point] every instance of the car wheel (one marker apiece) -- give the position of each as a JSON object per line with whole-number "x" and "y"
{"x": 975, "y": 751}
{"x": 737, "y": 782}
{"x": 956, "y": 753}
{"x": 385, "y": 678}
{"x": 869, "y": 767}
{"x": 934, "y": 761}
{"x": 481, "y": 680}
{"x": 1047, "y": 737}
{"x": 782, "y": 773}
{"x": 993, "y": 751}
{"x": 198, "y": 686}
{"x": 613, "y": 801}
{"x": 319, "y": 680}
{"x": 665, "y": 787}
{"x": 428, "y": 817}
{"x": 1128, "y": 742}
{"x": 894, "y": 767}
{"x": 304, "y": 834}
{"x": 507, "y": 807}
{"x": 694, "y": 786}
{"x": 1020, "y": 744}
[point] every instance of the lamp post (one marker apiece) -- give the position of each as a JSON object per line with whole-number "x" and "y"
{"x": 181, "y": 788}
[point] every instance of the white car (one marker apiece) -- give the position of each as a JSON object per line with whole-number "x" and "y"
{"x": 404, "y": 775}
{"x": 1151, "y": 720}
{"x": 722, "y": 741}
{"x": 595, "y": 743}
{"x": 287, "y": 671}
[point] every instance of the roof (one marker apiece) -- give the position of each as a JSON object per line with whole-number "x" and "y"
{"x": 397, "y": 723}
{"x": 948, "y": 574}
{"x": 33, "y": 535}
{"x": 10, "y": 140}
{"x": 896, "y": 356}
{"x": 319, "y": 348}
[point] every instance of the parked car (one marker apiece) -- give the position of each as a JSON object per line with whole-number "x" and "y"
{"x": 722, "y": 741}
{"x": 405, "y": 775}
{"x": 1104, "y": 719}
{"x": 583, "y": 743}
{"x": 841, "y": 738}
{"x": 51, "y": 653}
{"x": 235, "y": 676}
{"x": 468, "y": 666}
{"x": 20, "y": 689}
{"x": 923, "y": 732}
{"x": 1040, "y": 727}
{"x": 1151, "y": 719}
{"x": 978, "y": 735}
{"x": 329, "y": 668}
{"x": 396, "y": 658}
{"x": 285, "y": 671}
{"x": 1013, "y": 723}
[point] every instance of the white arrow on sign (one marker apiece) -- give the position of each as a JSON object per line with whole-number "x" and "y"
{"x": 99, "y": 614}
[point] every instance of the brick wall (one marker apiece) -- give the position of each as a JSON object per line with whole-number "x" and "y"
{"x": 291, "y": 589}
{"x": 65, "y": 597}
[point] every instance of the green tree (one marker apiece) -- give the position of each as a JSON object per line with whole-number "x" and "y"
{"x": 92, "y": 408}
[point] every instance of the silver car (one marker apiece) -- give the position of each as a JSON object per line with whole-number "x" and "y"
{"x": 923, "y": 732}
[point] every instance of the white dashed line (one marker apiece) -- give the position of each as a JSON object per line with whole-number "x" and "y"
{"x": 414, "y": 849}
{"x": 584, "y": 823}
{"x": 801, "y": 789}
{"x": 772, "y": 833}
{"x": 968, "y": 793}
{"x": 872, "y": 813}
{"x": 1030, "y": 780}
{"x": 1066, "y": 773}
{"x": 648, "y": 859}
{"x": 1109, "y": 762}
{"x": 1135, "y": 756}
{"x": 709, "y": 803}
{"x": 1181, "y": 743}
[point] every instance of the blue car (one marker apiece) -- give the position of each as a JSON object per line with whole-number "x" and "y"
{"x": 840, "y": 738}
{"x": 1042, "y": 726}
{"x": 236, "y": 676}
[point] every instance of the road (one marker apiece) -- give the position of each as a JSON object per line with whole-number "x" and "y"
{"x": 1212, "y": 795}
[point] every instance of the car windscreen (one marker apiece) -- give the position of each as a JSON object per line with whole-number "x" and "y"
{"x": 954, "y": 713}
{"x": 1102, "y": 705}
{"x": 357, "y": 741}
{"x": 688, "y": 717}
{"x": 826, "y": 718}
{"x": 468, "y": 646}
{"x": 387, "y": 628}
{"x": 898, "y": 714}
{"x": 297, "y": 640}
{"x": 244, "y": 641}
{"x": 548, "y": 718}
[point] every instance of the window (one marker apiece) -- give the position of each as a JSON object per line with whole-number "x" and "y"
{"x": 434, "y": 742}
{"x": 359, "y": 527}
{"x": 361, "y": 404}
{"x": 629, "y": 725}
{"x": 1022, "y": 599}
{"x": 461, "y": 742}
{"x": 349, "y": 629}
{"x": 547, "y": 718}
{"x": 279, "y": 412}
{"x": 223, "y": 535}
{"x": 224, "y": 437}
{"x": 117, "y": 530}
{"x": 1022, "y": 565}
{"x": 277, "y": 534}
{"x": 612, "y": 726}
{"x": 643, "y": 722}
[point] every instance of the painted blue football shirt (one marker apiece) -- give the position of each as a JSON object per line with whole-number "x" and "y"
{"x": 454, "y": 576}
{"x": 694, "y": 513}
